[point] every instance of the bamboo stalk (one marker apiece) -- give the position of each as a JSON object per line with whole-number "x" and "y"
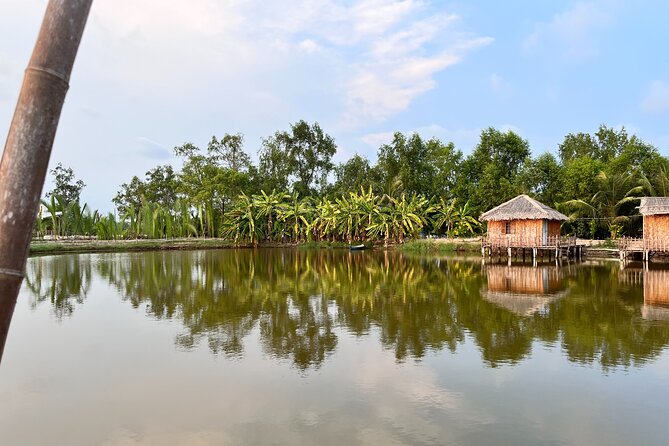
{"x": 28, "y": 148}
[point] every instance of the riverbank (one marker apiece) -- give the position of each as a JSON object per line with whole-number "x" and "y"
{"x": 64, "y": 246}
{"x": 434, "y": 246}
{"x": 442, "y": 245}
{"x": 42, "y": 247}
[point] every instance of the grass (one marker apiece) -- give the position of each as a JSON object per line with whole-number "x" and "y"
{"x": 58, "y": 247}
{"x": 434, "y": 246}
{"x": 83, "y": 246}
{"x": 331, "y": 245}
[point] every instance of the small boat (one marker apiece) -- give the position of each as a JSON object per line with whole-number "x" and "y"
{"x": 356, "y": 247}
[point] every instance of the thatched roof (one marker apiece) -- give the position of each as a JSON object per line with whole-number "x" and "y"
{"x": 654, "y": 205}
{"x": 522, "y": 207}
{"x": 655, "y": 313}
{"x": 522, "y": 304}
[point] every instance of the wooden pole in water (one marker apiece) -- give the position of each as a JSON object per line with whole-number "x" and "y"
{"x": 28, "y": 147}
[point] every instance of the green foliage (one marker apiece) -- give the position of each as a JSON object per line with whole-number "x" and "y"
{"x": 488, "y": 174}
{"x": 300, "y": 158}
{"x": 66, "y": 188}
{"x": 351, "y": 176}
{"x": 416, "y": 187}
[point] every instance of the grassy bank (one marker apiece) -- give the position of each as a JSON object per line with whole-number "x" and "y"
{"x": 84, "y": 246}
{"x": 81, "y": 246}
{"x": 441, "y": 246}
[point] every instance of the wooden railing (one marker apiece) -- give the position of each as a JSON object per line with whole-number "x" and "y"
{"x": 639, "y": 244}
{"x": 521, "y": 241}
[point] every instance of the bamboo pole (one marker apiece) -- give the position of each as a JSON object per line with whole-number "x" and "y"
{"x": 28, "y": 147}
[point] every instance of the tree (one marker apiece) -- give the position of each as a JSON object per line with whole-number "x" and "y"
{"x": 580, "y": 178}
{"x": 447, "y": 163}
{"x": 488, "y": 173}
{"x": 206, "y": 182}
{"x": 414, "y": 165}
{"x": 542, "y": 178}
{"x": 614, "y": 193}
{"x": 605, "y": 145}
{"x": 130, "y": 196}
{"x": 160, "y": 186}
{"x": 274, "y": 166}
{"x": 67, "y": 187}
{"x": 305, "y": 154}
{"x": 229, "y": 152}
{"x": 351, "y": 176}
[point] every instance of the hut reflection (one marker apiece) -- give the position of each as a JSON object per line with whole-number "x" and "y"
{"x": 655, "y": 295}
{"x": 525, "y": 290}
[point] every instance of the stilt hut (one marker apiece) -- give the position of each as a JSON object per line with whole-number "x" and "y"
{"x": 524, "y": 290}
{"x": 655, "y": 211}
{"x": 521, "y": 223}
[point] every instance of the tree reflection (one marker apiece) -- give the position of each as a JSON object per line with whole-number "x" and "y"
{"x": 299, "y": 301}
{"x": 63, "y": 280}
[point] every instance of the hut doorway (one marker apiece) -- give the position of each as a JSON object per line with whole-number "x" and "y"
{"x": 544, "y": 233}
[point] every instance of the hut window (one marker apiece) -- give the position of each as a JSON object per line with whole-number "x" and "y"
{"x": 507, "y": 227}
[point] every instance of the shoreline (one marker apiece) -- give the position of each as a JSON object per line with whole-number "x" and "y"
{"x": 427, "y": 246}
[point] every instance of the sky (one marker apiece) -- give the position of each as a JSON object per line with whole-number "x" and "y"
{"x": 153, "y": 74}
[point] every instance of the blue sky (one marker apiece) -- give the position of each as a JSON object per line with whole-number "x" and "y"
{"x": 153, "y": 74}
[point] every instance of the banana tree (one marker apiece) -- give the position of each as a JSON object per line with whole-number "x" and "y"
{"x": 269, "y": 207}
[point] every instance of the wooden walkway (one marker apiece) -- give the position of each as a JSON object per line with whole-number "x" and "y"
{"x": 533, "y": 247}
{"x": 628, "y": 247}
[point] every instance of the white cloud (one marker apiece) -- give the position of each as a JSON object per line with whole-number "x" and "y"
{"x": 309, "y": 46}
{"x": 657, "y": 99}
{"x": 377, "y": 16}
{"x": 574, "y": 31}
{"x": 375, "y": 140}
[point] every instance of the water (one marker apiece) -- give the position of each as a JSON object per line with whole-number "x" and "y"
{"x": 331, "y": 348}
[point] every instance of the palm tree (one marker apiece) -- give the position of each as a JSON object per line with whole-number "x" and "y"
{"x": 615, "y": 191}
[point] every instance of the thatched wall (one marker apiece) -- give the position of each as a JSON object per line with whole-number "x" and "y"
{"x": 523, "y": 232}
{"x": 656, "y": 227}
{"x": 524, "y": 280}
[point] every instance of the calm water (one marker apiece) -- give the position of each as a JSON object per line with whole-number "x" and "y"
{"x": 332, "y": 347}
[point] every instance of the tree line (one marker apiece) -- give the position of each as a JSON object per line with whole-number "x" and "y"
{"x": 295, "y": 192}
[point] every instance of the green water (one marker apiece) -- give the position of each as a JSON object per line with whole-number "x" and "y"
{"x": 334, "y": 347}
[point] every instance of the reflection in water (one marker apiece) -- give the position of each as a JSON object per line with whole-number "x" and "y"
{"x": 63, "y": 281}
{"x": 524, "y": 290}
{"x": 655, "y": 291}
{"x": 298, "y": 299}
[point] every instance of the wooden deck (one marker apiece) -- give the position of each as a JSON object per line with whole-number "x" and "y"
{"x": 535, "y": 246}
{"x": 628, "y": 247}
